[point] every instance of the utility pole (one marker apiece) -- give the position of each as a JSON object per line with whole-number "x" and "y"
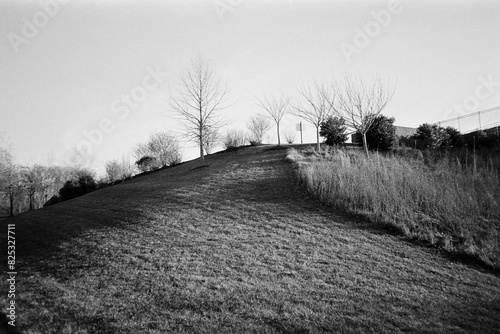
{"x": 301, "y": 141}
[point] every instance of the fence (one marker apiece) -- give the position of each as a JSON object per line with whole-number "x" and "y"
{"x": 479, "y": 120}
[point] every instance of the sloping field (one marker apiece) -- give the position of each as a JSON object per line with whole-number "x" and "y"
{"x": 232, "y": 247}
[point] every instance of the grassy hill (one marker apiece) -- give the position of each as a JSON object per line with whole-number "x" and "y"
{"x": 232, "y": 247}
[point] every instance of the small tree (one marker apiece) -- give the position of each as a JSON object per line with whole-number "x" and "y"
{"x": 276, "y": 107}
{"x": 333, "y": 129}
{"x": 10, "y": 178}
{"x": 114, "y": 170}
{"x": 34, "y": 180}
{"x": 12, "y": 186}
{"x": 359, "y": 103}
{"x": 382, "y": 133}
{"x": 200, "y": 98}
{"x": 318, "y": 104}
{"x": 258, "y": 125}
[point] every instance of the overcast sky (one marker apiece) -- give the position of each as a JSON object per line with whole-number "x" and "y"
{"x": 66, "y": 69}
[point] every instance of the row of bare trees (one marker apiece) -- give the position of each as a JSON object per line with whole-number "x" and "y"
{"x": 28, "y": 188}
{"x": 201, "y": 95}
{"x": 356, "y": 101}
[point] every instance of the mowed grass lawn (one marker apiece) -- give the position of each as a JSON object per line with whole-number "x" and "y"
{"x": 233, "y": 247}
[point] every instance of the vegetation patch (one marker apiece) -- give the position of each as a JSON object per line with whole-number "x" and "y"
{"x": 443, "y": 203}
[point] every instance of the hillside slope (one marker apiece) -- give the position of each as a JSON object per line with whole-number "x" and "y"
{"x": 232, "y": 247}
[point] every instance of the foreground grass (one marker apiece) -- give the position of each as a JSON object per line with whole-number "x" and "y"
{"x": 233, "y": 247}
{"x": 444, "y": 204}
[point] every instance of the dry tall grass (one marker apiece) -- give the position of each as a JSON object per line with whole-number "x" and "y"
{"x": 445, "y": 204}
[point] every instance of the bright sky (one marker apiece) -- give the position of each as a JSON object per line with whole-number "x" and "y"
{"x": 65, "y": 69}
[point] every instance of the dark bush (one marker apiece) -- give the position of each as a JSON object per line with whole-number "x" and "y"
{"x": 431, "y": 136}
{"x": 455, "y": 138}
{"x": 334, "y": 131}
{"x": 76, "y": 188}
{"x": 147, "y": 164}
{"x": 382, "y": 134}
{"x": 482, "y": 139}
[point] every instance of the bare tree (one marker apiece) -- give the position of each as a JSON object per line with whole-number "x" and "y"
{"x": 359, "y": 103}
{"x": 13, "y": 188}
{"x": 127, "y": 169}
{"x": 5, "y": 164}
{"x": 317, "y": 104}
{"x": 10, "y": 180}
{"x": 198, "y": 101}
{"x": 276, "y": 107}
{"x": 258, "y": 125}
{"x": 35, "y": 180}
{"x": 234, "y": 138}
{"x": 114, "y": 170}
{"x": 165, "y": 148}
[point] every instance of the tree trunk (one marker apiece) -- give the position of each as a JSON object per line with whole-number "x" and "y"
{"x": 365, "y": 145}
{"x": 202, "y": 155}
{"x": 278, "y": 127}
{"x": 31, "y": 201}
{"x": 318, "y": 146}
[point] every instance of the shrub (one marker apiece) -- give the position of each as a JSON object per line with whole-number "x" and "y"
{"x": 334, "y": 131}
{"x": 290, "y": 135}
{"x": 431, "y": 136}
{"x": 382, "y": 134}
{"x": 481, "y": 139}
{"x": 455, "y": 138}
{"x": 258, "y": 125}
{"x": 234, "y": 139}
{"x": 78, "y": 187}
{"x": 162, "y": 149}
{"x": 147, "y": 164}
